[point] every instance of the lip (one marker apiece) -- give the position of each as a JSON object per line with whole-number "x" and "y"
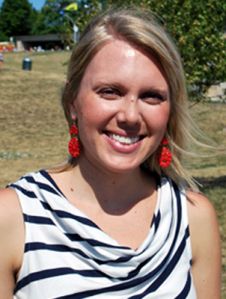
{"x": 123, "y": 147}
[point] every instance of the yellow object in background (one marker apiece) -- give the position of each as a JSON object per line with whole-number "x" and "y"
{"x": 72, "y": 6}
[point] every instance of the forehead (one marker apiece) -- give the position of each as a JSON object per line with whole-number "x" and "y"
{"x": 121, "y": 60}
{"x": 116, "y": 49}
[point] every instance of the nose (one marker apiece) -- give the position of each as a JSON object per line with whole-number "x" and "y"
{"x": 129, "y": 113}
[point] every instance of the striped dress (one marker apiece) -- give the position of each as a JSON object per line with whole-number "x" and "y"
{"x": 66, "y": 255}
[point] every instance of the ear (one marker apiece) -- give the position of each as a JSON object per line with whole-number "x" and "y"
{"x": 72, "y": 109}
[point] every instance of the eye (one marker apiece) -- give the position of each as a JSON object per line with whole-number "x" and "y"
{"x": 153, "y": 97}
{"x": 109, "y": 93}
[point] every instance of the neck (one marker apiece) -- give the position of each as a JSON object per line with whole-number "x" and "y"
{"x": 114, "y": 192}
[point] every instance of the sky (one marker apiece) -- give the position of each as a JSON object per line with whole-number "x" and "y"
{"x": 37, "y": 4}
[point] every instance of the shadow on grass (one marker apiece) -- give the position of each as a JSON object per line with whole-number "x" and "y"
{"x": 212, "y": 182}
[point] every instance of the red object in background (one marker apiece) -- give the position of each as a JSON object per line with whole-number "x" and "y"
{"x": 6, "y": 47}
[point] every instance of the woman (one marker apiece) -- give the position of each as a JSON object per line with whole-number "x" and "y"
{"x": 120, "y": 219}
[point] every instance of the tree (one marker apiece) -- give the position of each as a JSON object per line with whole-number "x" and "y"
{"x": 53, "y": 17}
{"x": 87, "y": 9}
{"x": 49, "y": 19}
{"x": 15, "y": 18}
{"x": 198, "y": 27}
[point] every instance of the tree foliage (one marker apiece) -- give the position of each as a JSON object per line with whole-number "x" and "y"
{"x": 87, "y": 10}
{"x": 54, "y": 19}
{"x": 198, "y": 27}
{"x": 15, "y": 18}
{"x": 49, "y": 19}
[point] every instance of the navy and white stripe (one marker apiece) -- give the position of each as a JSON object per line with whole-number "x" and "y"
{"x": 66, "y": 255}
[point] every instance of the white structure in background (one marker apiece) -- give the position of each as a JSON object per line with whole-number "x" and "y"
{"x": 217, "y": 93}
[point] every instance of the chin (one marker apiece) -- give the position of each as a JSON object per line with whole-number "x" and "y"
{"x": 114, "y": 164}
{"x": 120, "y": 168}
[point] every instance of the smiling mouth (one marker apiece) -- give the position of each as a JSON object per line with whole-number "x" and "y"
{"x": 127, "y": 140}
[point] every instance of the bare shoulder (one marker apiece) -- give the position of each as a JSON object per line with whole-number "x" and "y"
{"x": 200, "y": 209}
{"x": 12, "y": 240}
{"x": 205, "y": 241}
{"x": 11, "y": 219}
{"x": 10, "y": 212}
{"x": 203, "y": 222}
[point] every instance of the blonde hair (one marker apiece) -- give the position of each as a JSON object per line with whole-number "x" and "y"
{"x": 140, "y": 29}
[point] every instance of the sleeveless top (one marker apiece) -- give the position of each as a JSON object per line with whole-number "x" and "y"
{"x": 66, "y": 255}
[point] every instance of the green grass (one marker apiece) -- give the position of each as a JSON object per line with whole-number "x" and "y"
{"x": 34, "y": 131}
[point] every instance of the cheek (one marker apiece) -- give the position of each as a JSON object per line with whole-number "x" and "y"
{"x": 90, "y": 118}
{"x": 85, "y": 110}
{"x": 158, "y": 117}
{"x": 95, "y": 112}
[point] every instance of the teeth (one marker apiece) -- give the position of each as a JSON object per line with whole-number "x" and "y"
{"x": 124, "y": 139}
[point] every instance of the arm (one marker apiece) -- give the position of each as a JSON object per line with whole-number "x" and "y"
{"x": 205, "y": 239}
{"x": 12, "y": 241}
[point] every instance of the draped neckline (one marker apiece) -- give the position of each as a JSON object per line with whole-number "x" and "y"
{"x": 75, "y": 210}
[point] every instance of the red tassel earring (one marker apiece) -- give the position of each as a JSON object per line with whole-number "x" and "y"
{"x": 165, "y": 157}
{"x": 73, "y": 145}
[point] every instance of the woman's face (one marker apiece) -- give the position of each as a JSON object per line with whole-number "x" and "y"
{"x": 122, "y": 108}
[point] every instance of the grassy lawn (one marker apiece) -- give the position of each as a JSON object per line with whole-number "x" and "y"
{"x": 34, "y": 132}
